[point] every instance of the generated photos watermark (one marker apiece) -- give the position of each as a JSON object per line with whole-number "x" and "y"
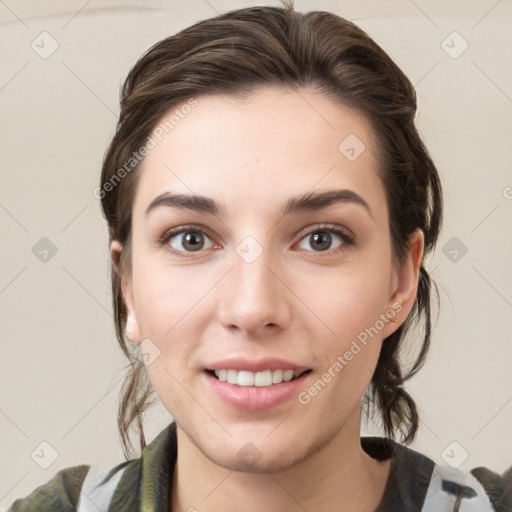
{"x": 157, "y": 135}
{"x": 342, "y": 360}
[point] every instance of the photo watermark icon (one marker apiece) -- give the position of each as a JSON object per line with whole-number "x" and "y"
{"x": 342, "y": 360}
{"x": 136, "y": 157}
{"x": 454, "y": 455}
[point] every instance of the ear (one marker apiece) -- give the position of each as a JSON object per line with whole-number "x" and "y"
{"x": 132, "y": 327}
{"x": 404, "y": 283}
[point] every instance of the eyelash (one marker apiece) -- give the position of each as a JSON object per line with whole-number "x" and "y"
{"x": 346, "y": 239}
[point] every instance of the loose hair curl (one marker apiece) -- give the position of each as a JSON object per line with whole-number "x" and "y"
{"x": 234, "y": 53}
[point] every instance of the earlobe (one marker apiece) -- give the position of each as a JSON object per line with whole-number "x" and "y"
{"x": 132, "y": 330}
{"x": 405, "y": 283}
{"x": 132, "y": 327}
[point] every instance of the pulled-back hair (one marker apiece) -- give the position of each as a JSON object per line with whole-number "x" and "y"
{"x": 234, "y": 53}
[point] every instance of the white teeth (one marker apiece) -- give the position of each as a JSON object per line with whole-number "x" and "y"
{"x": 263, "y": 379}
{"x": 288, "y": 375}
{"x": 277, "y": 376}
{"x": 245, "y": 378}
{"x": 232, "y": 377}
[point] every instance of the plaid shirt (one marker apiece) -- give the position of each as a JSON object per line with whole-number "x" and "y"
{"x": 415, "y": 483}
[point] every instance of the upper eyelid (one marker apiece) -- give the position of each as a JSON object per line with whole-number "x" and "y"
{"x": 183, "y": 229}
{"x": 327, "y": 227}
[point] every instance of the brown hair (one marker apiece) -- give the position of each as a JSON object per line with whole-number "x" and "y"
{"x": 232, "y": 54}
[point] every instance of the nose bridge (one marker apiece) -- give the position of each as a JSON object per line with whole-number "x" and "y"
{"x": 254, "y": 297}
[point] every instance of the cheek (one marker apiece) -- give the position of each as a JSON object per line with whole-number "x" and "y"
{"x": 347, "y": 358}
{"x": 350, "y": 307}
{"x": 165, "y": 297}
{"x": 168, "y": 311}
{"x": 174, "y": 307}
{"x": 350, "y": 300}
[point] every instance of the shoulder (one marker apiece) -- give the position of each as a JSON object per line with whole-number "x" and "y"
{"x": 131, "y": 485}
{"x": 478, "y": 490}
{"x": 497, "y": 487}
{"x": 417, "y": 483}
{"x": 60, "y": 494}
{"x": 81, "y": 488}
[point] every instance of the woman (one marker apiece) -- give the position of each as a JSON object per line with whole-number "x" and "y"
{"x": 270, "y": 207}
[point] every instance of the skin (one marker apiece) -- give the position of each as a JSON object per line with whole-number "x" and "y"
{"x": 295, "y": 301}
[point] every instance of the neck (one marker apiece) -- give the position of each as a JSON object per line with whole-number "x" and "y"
{"x": 340, "y": 476}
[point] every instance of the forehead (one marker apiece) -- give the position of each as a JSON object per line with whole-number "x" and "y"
{"x": 267, "y": 146}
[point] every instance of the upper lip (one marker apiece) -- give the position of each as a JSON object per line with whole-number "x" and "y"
{"x": 255, "y": 365}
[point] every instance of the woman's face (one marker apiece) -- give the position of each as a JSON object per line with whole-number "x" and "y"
{"x": 261, "y": 277}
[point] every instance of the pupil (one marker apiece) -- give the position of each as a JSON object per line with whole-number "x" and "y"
{"x": 191, "y": 239}
{"x": 326, "y": 237}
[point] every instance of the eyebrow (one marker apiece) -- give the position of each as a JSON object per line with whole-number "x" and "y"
{"x": 296, "y": 205}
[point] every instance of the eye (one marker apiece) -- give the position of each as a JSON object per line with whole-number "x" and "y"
{"x": 187, "y": 239}
{"x": 321, "y": 239}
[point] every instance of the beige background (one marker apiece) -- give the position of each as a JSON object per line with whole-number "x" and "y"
{"x": 61, "y": 369}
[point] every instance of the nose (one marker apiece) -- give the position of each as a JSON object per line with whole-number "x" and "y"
{"x": 254, "y": 297}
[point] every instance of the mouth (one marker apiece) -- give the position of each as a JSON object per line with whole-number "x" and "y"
{"x": 252, "y": 384}
{"x": 263, "y": 379}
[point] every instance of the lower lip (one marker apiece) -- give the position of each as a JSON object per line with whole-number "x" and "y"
{"x": 255, "y": 398}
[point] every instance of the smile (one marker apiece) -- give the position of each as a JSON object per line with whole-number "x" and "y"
{"x": 256, "y": 391}
{"x": 265, "y": 378}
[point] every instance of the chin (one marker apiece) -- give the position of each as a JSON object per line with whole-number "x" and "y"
{"x": 249, "y": 460}
{"x": 278, "y": 455}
